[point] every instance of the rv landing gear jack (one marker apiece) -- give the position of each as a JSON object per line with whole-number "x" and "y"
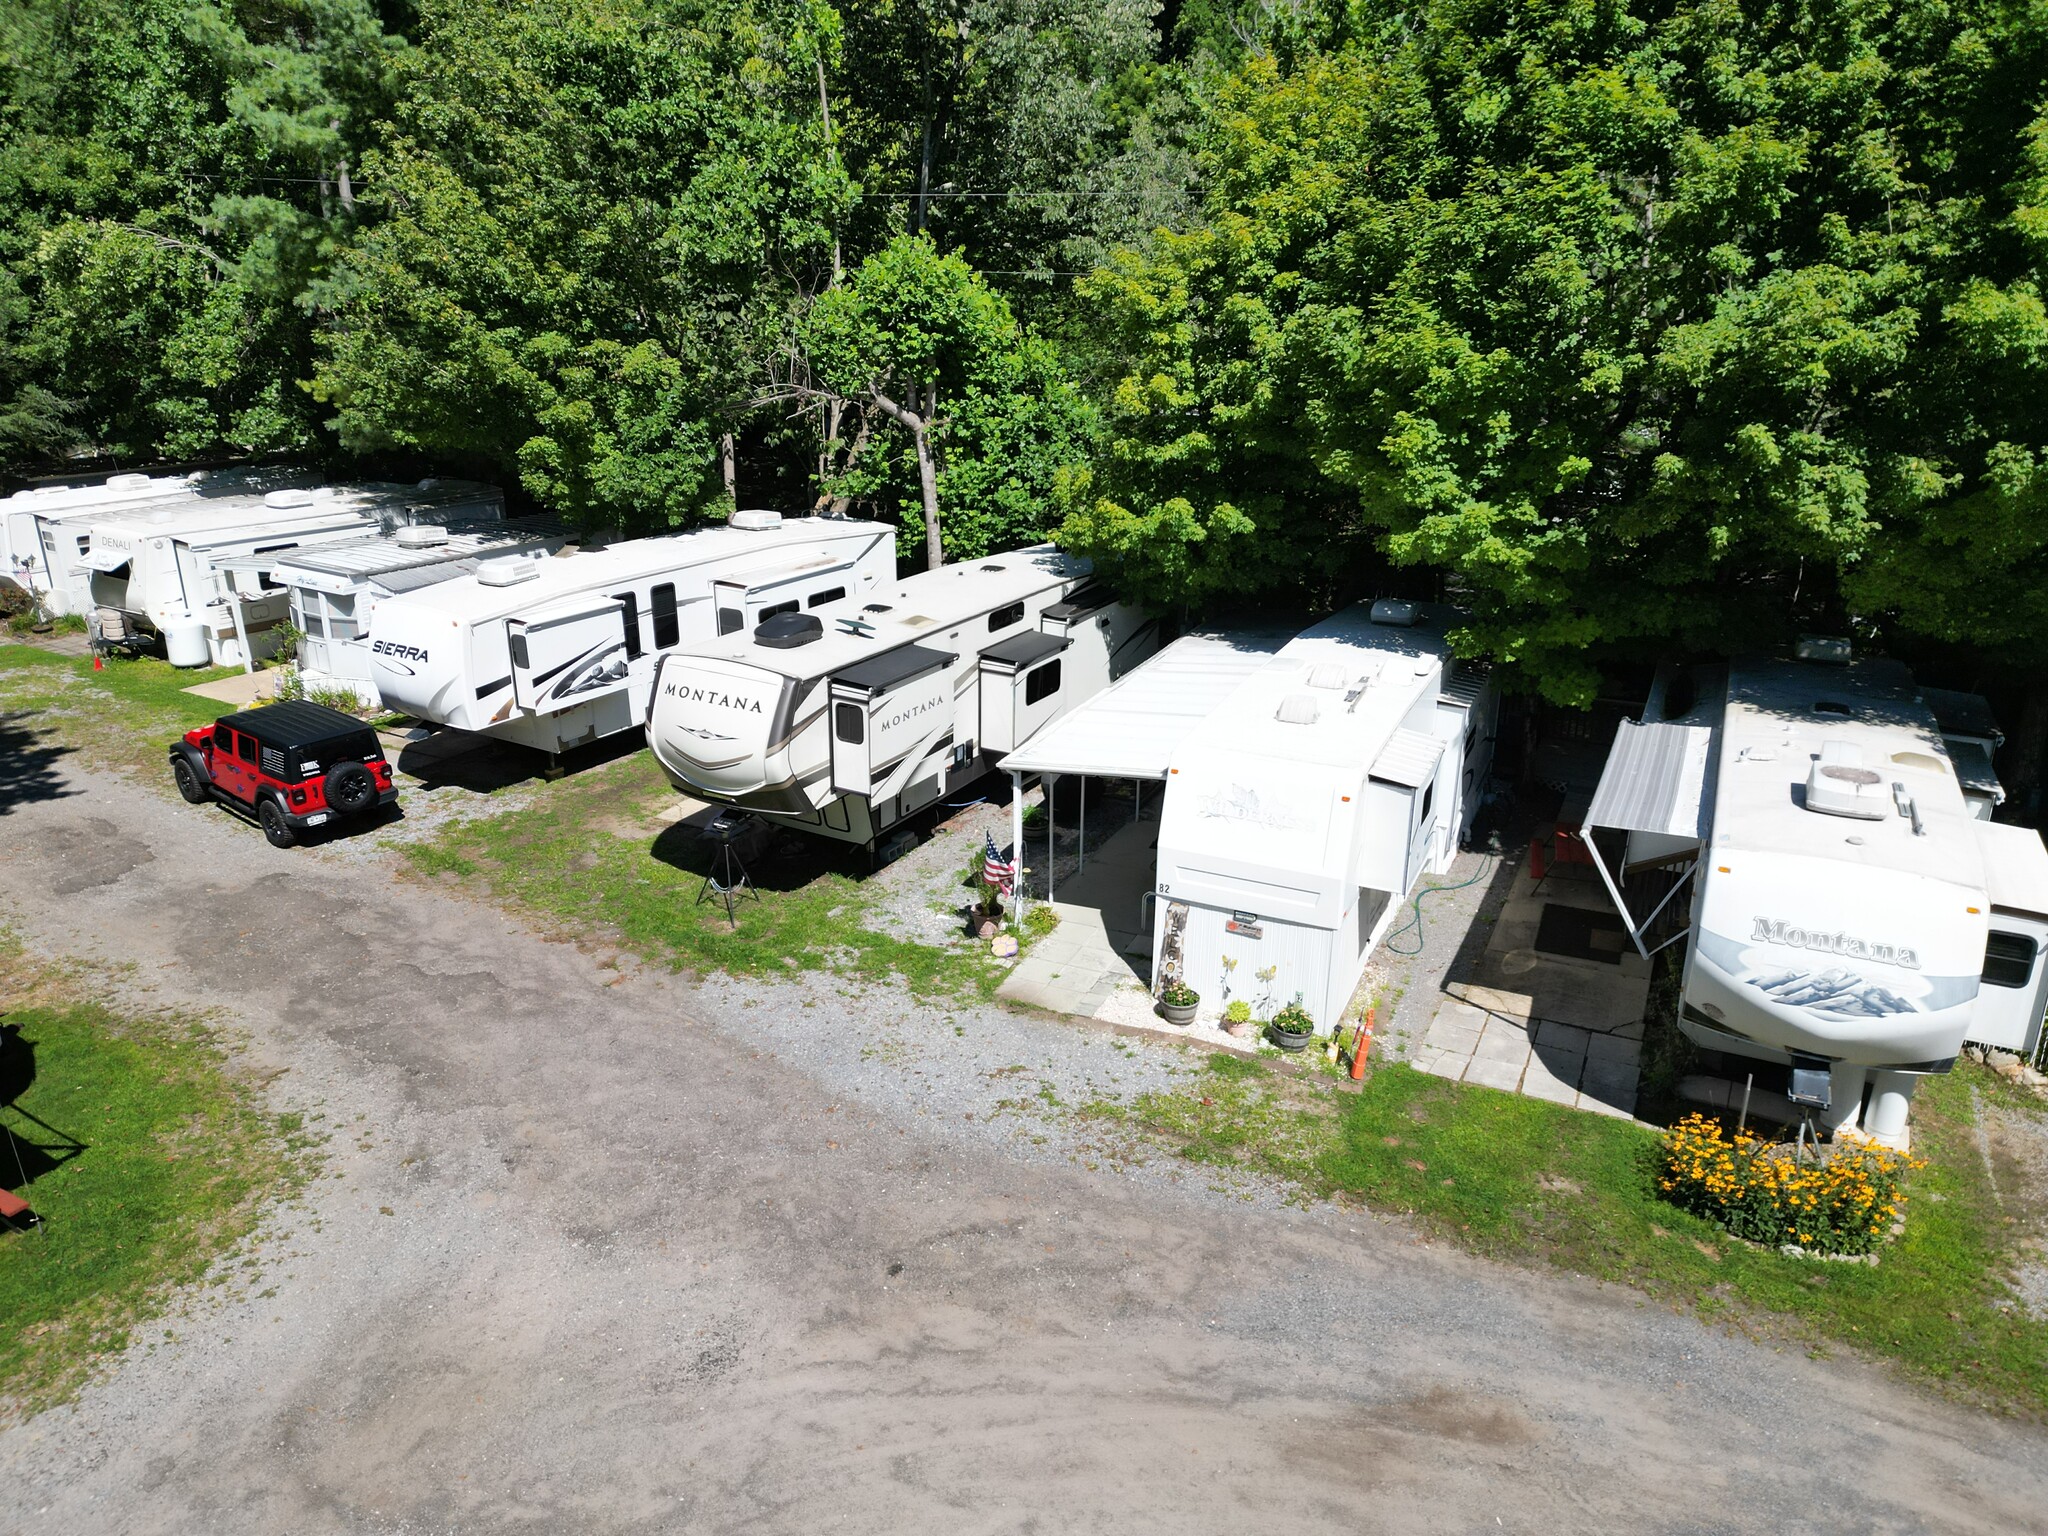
{"x": 727, "y": 880}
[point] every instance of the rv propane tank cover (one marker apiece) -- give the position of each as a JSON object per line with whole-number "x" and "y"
{"x": 754, "y": 519}
{"x": 1393, "y": 610}
{"x": 787, "y": 631}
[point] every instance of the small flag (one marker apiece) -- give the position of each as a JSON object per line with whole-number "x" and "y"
{"x": 995, "y": 869}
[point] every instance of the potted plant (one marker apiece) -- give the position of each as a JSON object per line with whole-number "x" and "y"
{"x": 986, "y": 914}
{"x": 1177, "y": 1003}
{"x": 1237, "y": 1018}
{"x": 1292, "y": 1028}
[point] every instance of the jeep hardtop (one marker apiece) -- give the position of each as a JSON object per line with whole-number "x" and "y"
{"x": 292, "y": 766}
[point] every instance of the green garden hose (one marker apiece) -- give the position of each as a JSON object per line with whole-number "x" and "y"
{"x": 1415, "y": 922}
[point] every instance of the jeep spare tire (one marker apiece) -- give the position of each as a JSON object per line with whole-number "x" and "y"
{"x": 276, "y": 829}
{"x": 188, "y": 780}
{"x": 350, "y": 788}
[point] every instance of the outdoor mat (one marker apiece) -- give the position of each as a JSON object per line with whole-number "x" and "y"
{"x": 1581, "y": 935}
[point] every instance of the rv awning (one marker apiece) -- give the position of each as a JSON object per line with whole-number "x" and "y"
{"x": 1974, "y": 771}
{"x": 107, "y": 560}
{"x": 1132, "y": 729}
{"x": 1409, "y": 758}
{"x": 1021, "y": 651}
{"x": 1655, "y": 780}
{"x": 892, "y": 669}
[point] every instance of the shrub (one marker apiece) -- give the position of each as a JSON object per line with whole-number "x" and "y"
{"x": 1239, "y": 1011}
{"x": 1041, "y": 920}
{"x": 1761, "y": 1191}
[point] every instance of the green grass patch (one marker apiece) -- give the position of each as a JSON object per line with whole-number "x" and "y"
{"x": 1523, "y": 1181}
{"x": 148, "y": 1161}
{"x": 123, "y": 717}
{"x": 591, "y": 855}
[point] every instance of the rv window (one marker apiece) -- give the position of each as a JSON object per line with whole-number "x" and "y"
{"x": 84, "y": 543}
{"x": 661, "y": 604}
{"x": 245, "y": 748}
{"x": 730, "y": 620}
{"x": 631, "y": 601}
{"x": 341, "y": 616}
{"x": 849, "y": 722}
{"x": 519, "y": 661}
{"x": 2008, "y": 960}
{"x": 1428, "y": 794}
{"x": 1043, "y": 682}
{"x": 1003, "y": 618}
{"x": 774, "y": 609}
{"x": 315, "y": 626}
{"x": 829, "y": 595}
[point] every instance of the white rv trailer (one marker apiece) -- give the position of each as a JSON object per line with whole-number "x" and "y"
{"x": 335, "y": 589}
{"x": 45, "y": 530}
{"x": 1303, "y": 806}
{"x": 153, "y": 572}
{"x": 1850, "y": 915}
{"x": 553, "y": 651}
{"x": 845, "y": 721}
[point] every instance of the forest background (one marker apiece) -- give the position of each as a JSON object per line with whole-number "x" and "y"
{"x": 1641, "y": 329}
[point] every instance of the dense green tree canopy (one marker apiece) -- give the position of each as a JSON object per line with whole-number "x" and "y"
{"x": 1644, "y": 323}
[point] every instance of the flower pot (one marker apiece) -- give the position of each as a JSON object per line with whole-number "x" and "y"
{"x": 1290, "y": 1040}
{"x": 982, "y": 921}
{"x": 1182, "y": 1014}
{"x": 1237, "y": 1028}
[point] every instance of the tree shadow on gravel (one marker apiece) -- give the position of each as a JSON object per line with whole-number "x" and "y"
{"x": 30, "y": 764}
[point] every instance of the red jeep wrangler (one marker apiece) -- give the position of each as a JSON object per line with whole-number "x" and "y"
{"x": 293, "y": 765}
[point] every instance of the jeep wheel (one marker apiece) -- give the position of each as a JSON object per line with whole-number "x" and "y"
{"x": 188, "y": 781}
{"x": 350, "y": 789}
{"x": 270, "y": 817}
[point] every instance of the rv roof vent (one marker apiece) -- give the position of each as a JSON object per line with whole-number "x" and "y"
{"x": 787, "y": 631}
{"x": 754, "y": 519}
{"x": 876, "y": 608}
{"x": 507, "y": 570}
{"x": 1393, "y": 610}
{"x": 421, "y": 536}
{"x": 1297, "y": 709}
{"x": 123, "y": 482}
{"x": 1326, "y": 675}
{"x": 1832, "y": 649}
{"x": 992, "y": 567}
{"x": 1839, "y": 785}
{"x": 287, "y": 498}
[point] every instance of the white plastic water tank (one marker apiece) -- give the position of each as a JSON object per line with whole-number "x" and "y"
{"x": 185, "y": 643}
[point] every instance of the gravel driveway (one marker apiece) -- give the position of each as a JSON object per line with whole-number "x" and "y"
{"x": 739, "y": 1257}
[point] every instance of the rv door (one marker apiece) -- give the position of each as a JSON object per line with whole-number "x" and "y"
{"x": 852, "y": 768}
{"x": 729, "y": 606}
{"x": 568, "y": 654}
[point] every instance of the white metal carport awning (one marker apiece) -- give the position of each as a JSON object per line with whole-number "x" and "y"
{"x": 1654, "y": 781}
{"x": 1132, "y": 728}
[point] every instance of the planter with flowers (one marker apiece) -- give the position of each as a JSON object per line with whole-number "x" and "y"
{"x": 1177, "y": 1003}
{"x": 1292, "y": 1028}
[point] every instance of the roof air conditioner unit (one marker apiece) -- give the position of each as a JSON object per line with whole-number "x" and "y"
{"x": 754, "y": 519}
{"x": 1327, "y": 675}
{"x": 1393, "y": 610}
{"x": 122, "y": 482}
{"x": 1297, "y": 709}
{"x": 1839, "y": 785}
{"x": 421, "y": 536}
{"x": 507, "y": 571}
{"x": 283, "y": 499}
{"x": 1832, "y": 649}
{"x": 787, "y": 631}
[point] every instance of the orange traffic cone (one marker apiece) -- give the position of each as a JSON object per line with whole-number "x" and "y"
{"x": 99, "y": 662}
{"x": 1360, "y": 1045}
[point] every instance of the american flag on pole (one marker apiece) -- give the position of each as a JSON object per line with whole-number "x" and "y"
{"x": 995, "y": 869}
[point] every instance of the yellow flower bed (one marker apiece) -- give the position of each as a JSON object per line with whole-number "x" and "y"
{"x": 1846, "y": 1202}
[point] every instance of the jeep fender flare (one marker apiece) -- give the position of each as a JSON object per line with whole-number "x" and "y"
{"x": 197, "y": 759}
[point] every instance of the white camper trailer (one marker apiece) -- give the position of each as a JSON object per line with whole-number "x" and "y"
{"x": 335, "y": 589}
{"x": 845, "y": 721}
{"x": 1318, "y": 787}
{"x": 1851, "y": 917}
{"x": 553, "y": 651}
{"x": 46, "y": 530}
{"x": 153, "y": 573}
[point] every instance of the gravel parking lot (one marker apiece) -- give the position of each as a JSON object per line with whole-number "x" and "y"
{"x": 600, "y": 1250}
